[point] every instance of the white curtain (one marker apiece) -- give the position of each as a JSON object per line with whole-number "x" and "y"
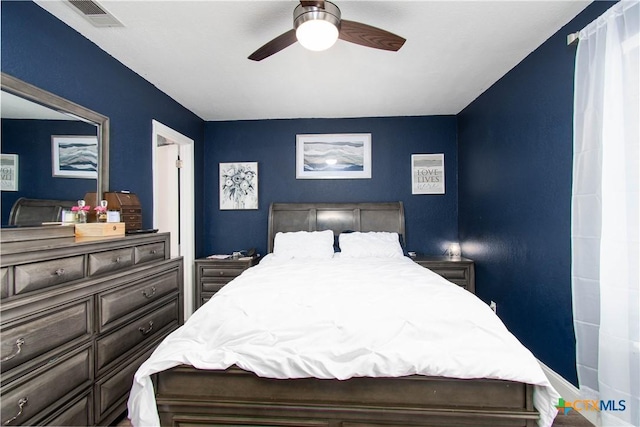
{"x": 605, "y": 213}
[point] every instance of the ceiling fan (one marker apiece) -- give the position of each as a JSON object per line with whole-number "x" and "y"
{"x": 318, "y": 24}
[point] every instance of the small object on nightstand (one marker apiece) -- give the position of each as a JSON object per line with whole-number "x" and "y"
{"x": 454, "y": 250}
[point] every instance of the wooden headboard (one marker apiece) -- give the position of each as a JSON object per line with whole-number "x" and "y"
{"x": 338, "y": 217}
{"x": 37, "y": 211}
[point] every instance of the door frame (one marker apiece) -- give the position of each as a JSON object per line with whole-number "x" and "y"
{"x": 187, "y": 203}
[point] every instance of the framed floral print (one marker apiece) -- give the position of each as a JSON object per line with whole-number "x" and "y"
{"x": 238, "y": 185}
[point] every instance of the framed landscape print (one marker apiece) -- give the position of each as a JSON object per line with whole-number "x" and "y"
{"x": 239, "y": 185}
{"x": 74, "y": 156}
{"x": 333, "y": 156}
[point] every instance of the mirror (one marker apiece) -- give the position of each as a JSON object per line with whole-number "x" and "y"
{"x": 42, "y": 129}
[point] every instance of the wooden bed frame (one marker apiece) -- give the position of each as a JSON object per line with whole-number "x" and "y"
{"x": 190, "y": 397}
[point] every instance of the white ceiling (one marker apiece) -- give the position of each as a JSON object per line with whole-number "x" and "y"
{"x": 15, "y": 107}
{"x": 196, "y": 52}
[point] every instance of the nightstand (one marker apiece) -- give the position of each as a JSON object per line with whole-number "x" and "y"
{"x": 213, "y": 274}
{"x": 460, "y": 271}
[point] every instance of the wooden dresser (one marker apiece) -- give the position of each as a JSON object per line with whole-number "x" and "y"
{"x": 460, "y": 271}
{"x": 78, "y": 317}
{"x": 213, "y": 274}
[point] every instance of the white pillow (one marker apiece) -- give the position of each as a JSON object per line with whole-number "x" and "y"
{"x": 303, "y": 244}
{"x": 377, "y": 244}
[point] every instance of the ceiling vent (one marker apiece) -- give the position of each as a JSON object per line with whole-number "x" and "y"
{"x": 94, "y": 13}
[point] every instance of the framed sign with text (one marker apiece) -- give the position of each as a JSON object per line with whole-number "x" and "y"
{"x": 9, "y": 172}
{"x": 427, "y": 174}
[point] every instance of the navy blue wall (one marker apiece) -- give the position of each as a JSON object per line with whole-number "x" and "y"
{"x": 430, "y": 219}
{"x": 31, "y": 141}
{"x": 515, "y": 166}
{"x": 41, "y": 50}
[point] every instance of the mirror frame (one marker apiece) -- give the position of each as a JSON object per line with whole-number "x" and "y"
{"x": 40, "y": 96}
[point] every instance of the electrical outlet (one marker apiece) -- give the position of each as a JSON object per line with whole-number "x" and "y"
{"x": 494, "y": 306}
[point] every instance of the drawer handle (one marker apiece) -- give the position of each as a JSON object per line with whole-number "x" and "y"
{"x": 149, "y": 294}
{"x": 19, "y": 343}
{"x": 59, "y": 272}
{"x": 153, "y": 252}
{"x": 23, "y": 401}
{"x": 221, "y": 273}
{"x": 146, "y": 331}
{"x": 117, "y": 260}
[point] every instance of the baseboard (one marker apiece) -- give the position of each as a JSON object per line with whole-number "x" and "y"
{"x": 568, "y": 391}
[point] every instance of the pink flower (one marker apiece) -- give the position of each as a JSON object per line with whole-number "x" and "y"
{"x": 78, "y": 208}
{"x": 100, "y": 209}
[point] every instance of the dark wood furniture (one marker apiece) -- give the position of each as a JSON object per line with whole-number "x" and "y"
{"x": 78, "y": 317}
{"x": 458, "y": 270}
{"x": 127, "y": 204}
{"x": 187, "y": 396}
{"x": 27, "y": 211}
{"x": 213, "y": 274}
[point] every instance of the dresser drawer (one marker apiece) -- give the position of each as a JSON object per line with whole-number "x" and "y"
{"x": 38, "y": 275}
{"x": 37, "y": 335}
{"x": 145, "y": 253}
{"x": 109, "y": 261}
{"x": 78, "y": 413}
{"x": 4, "y": 282}
{"x": 116, "y": 386}
{"x": 120, "y": 341}
{"x": 38, "y": 393}
{"x": 113, "y": 305}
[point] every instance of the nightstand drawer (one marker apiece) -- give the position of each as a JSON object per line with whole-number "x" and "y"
{"x": 213, "y": 285}
{"x": 460, "y": 271}
{"x": 216, "y": 271}
{"x": 453, "y": 273}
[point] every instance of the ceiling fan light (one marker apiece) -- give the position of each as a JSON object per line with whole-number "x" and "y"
{"x": 317, "y": 34}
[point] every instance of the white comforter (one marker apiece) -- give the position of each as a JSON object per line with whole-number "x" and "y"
{"x": 342, "y": 318}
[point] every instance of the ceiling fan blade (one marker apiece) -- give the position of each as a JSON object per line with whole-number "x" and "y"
{"x": 317, "y": 3}
{"x": 274, "y": 46}
{"x": 366, "y": 35}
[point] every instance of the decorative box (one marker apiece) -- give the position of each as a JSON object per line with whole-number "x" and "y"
{"x": 100, "y": 229}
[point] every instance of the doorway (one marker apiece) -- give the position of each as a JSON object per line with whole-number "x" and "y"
{"x": 173, "y": 198}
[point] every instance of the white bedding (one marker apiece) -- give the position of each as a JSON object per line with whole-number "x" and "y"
{"x": 340, "y": 318}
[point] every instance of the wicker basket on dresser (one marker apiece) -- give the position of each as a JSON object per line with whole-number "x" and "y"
{"x": 78, "y": 317}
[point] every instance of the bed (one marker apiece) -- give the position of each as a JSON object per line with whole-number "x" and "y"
{"x": 366, "y": 356}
